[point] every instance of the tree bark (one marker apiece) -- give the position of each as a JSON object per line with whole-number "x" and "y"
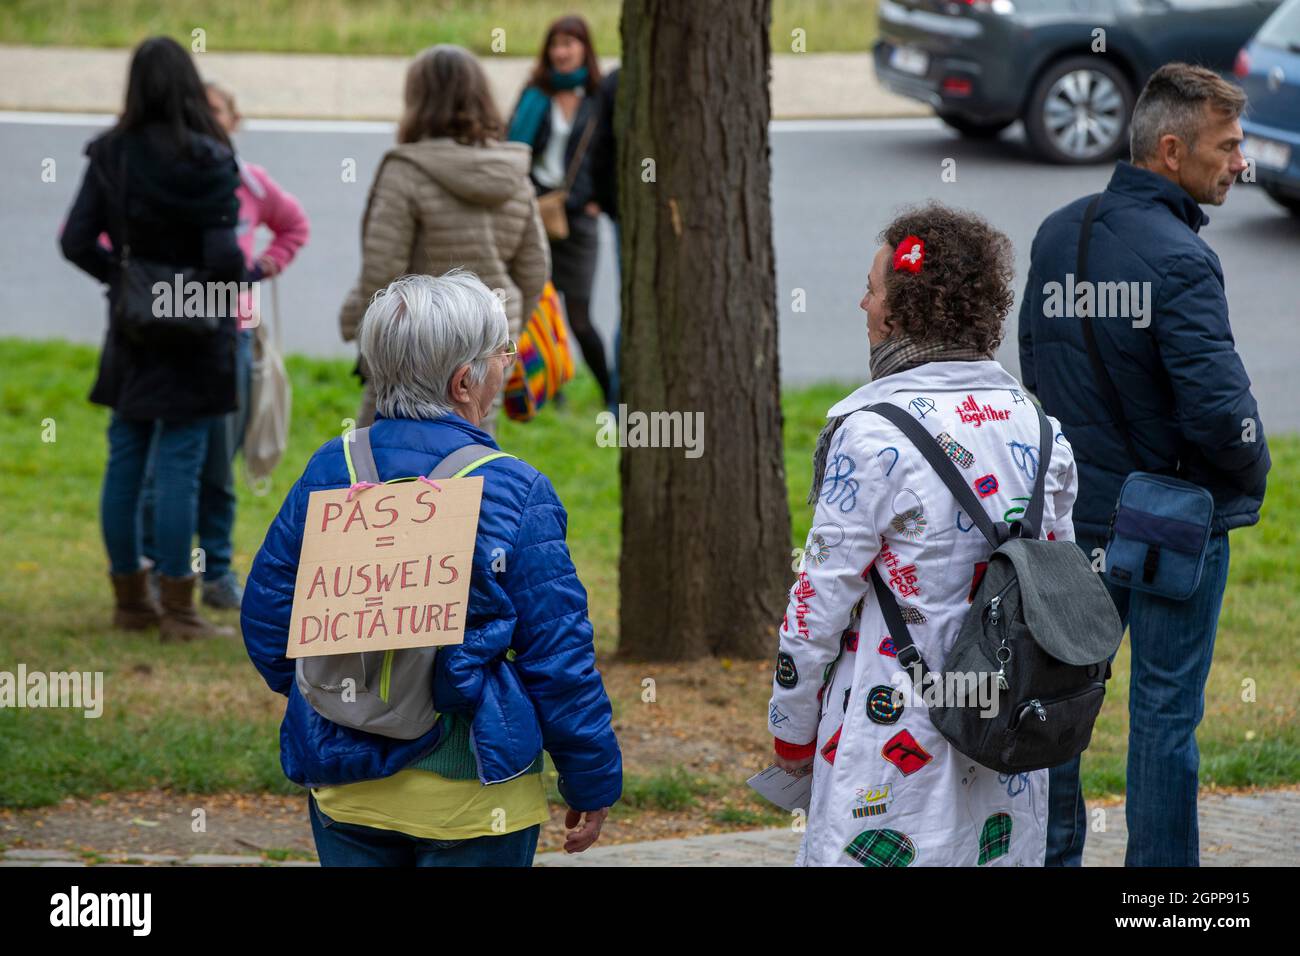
{"x": 706, "y": 540}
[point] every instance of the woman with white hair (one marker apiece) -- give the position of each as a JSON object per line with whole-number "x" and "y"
{"x": 469, "y": 791}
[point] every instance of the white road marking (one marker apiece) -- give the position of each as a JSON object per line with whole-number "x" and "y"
{"x": 20, "y": 117}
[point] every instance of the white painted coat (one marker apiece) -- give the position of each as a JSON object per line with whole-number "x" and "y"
{"x": 887, "y": 787}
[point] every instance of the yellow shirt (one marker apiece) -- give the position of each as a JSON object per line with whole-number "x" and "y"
{"x": 425, "y": 804}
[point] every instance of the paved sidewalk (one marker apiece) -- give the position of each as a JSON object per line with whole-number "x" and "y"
{"x": 313, "y": 86}
{"x": 1239, "y": 829}
{"x": 1249, "y": 829}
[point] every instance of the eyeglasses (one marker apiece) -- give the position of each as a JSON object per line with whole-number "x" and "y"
{"x": 509, "y": 351}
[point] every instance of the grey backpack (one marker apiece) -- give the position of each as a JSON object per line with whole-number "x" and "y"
{"x": 393, "y": 690}
{"x": 1039, "y": 634}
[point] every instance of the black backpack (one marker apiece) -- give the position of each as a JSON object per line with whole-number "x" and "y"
{"x": 1040, "y": 633}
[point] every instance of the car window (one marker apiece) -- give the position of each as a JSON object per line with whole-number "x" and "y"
{"x": 1282, "y": 29}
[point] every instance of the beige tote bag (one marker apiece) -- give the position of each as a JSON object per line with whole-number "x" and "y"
{"x": 267, "y": 434}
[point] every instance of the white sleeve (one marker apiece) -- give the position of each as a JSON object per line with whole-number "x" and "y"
{"x": 851, "y": 513}
{"x": 1061, "y": 487}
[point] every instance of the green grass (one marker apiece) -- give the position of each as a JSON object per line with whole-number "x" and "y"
{"x": 197, "y": 718}
{"x": 399, "y": 27}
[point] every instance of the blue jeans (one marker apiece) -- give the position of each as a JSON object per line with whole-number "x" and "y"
{"x": 1171, "y": 645}
{"x": 178, "y": 449}
{"x": 216, "y": 507}
{"x": 349, "y": 844}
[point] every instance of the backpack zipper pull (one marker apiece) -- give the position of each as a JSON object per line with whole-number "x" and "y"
{"x": 1038, "y": 708}
{"x": 995, "y": 615}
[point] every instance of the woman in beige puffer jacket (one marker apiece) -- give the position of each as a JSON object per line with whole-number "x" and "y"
{"x": 451, "y": 195}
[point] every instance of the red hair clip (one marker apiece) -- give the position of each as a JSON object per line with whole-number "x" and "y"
{"x": 909, "y": 255}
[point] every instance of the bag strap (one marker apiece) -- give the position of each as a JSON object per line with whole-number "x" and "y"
{"x": 905, "y": 649}
{"x": 1109, "y": 394}
{"x": 361, "y": 459}
{"x": 944, "y": 468}
{"x": 1030, "y": 525}
{"x": 465, "y": 459}
{"x": 572, "y": 172}
{"x": 908, "y": 655}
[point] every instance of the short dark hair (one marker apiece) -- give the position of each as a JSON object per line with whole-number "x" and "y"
{"x": 447, "y": 94}
{"x": 963, "y": 293}
{"x": 1171, "y": 102}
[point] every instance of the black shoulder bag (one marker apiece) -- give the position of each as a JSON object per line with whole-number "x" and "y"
{"x": 151, "y": 296}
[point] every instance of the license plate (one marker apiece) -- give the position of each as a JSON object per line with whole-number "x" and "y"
{"x": 1267, "y": 153}
{"x": 908, "y": 59}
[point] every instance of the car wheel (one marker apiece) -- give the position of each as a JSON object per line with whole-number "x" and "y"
{"x": 1289, "y": 203}
{"x": 974, "y": 129}
{"x": 1079, "y": 111}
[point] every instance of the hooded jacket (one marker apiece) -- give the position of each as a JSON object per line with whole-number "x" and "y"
{"x": 438, "y": 204}
{"x": 180, "y": 208}
{"x": 524, "y": 597}
{"x": 1185, "y": 391}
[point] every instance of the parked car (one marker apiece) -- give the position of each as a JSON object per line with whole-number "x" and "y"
{"x": 1070, "y": 69}
{"x": 1268, "y": 69}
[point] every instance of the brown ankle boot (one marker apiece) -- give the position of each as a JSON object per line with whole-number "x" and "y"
{"x": 180, "y": 622}
{"x": 135, "y": 609}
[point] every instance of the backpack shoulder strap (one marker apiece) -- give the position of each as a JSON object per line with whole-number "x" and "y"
{"x": 994, "y": 532}
{"x": 943, "y": 467}
{"x": 1033, "y": 517}
{"x": 465, "y": 459}
{"x": 906, "y": 652}
{"x": 360, "y": 459}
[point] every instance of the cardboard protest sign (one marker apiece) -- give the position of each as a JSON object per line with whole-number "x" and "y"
{"x": 388, "y": 569}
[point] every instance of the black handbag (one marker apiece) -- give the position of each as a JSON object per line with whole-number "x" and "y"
{"x": 150, "y": 305}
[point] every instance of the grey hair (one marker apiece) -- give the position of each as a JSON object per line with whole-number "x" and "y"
{"x": 1172, "y": 102}
{"x": 417, "y": 332}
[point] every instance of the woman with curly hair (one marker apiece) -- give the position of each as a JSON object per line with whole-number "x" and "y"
{"x": 887, "y": 788}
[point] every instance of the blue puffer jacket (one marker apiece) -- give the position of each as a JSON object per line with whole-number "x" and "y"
{"x": 549, "y": 696}
{"x": 1185, "y": 392}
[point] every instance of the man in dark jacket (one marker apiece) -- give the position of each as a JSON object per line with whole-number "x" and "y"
{"x": 1190, "y": 412}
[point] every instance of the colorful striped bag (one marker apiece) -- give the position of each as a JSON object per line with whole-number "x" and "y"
{"x": 545, "y": 362}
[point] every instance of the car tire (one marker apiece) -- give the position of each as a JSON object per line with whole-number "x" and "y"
{"x": 974, "y": 129}
{"x": 1079, "y": 111}
{"x": 1289, "y": 203}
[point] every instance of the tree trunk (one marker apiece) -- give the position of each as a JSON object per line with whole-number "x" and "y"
{"x": 706, "y": 540}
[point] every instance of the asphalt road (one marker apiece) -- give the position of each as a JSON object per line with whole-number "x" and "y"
{"x": 835, "y": 186}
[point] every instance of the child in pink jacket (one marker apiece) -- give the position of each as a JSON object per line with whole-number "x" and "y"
{"x": 261, "y": 203}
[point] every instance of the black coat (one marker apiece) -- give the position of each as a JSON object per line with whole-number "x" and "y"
{"x": 1185, "y": 391}
{"x": 583, "y": 189}
{"x": 604, "y": 150}
{"x": 182, "y": 210}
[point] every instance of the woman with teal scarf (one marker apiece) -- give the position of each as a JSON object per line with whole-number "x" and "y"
{"x": 554, "y": 109}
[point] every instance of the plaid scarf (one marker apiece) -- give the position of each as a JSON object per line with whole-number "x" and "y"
{"x": 898, "y": 353}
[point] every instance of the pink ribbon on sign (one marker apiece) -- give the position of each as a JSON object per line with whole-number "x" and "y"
{"x": 429, "y": 481}
{"x": 360, "y": 486}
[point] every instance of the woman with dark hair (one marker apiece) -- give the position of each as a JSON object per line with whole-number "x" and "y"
{"x": 161, "y": 183}
{"x": 887, "y": 788}
{"x": 558, "y": 115}
{"x": 450, "y": 195}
